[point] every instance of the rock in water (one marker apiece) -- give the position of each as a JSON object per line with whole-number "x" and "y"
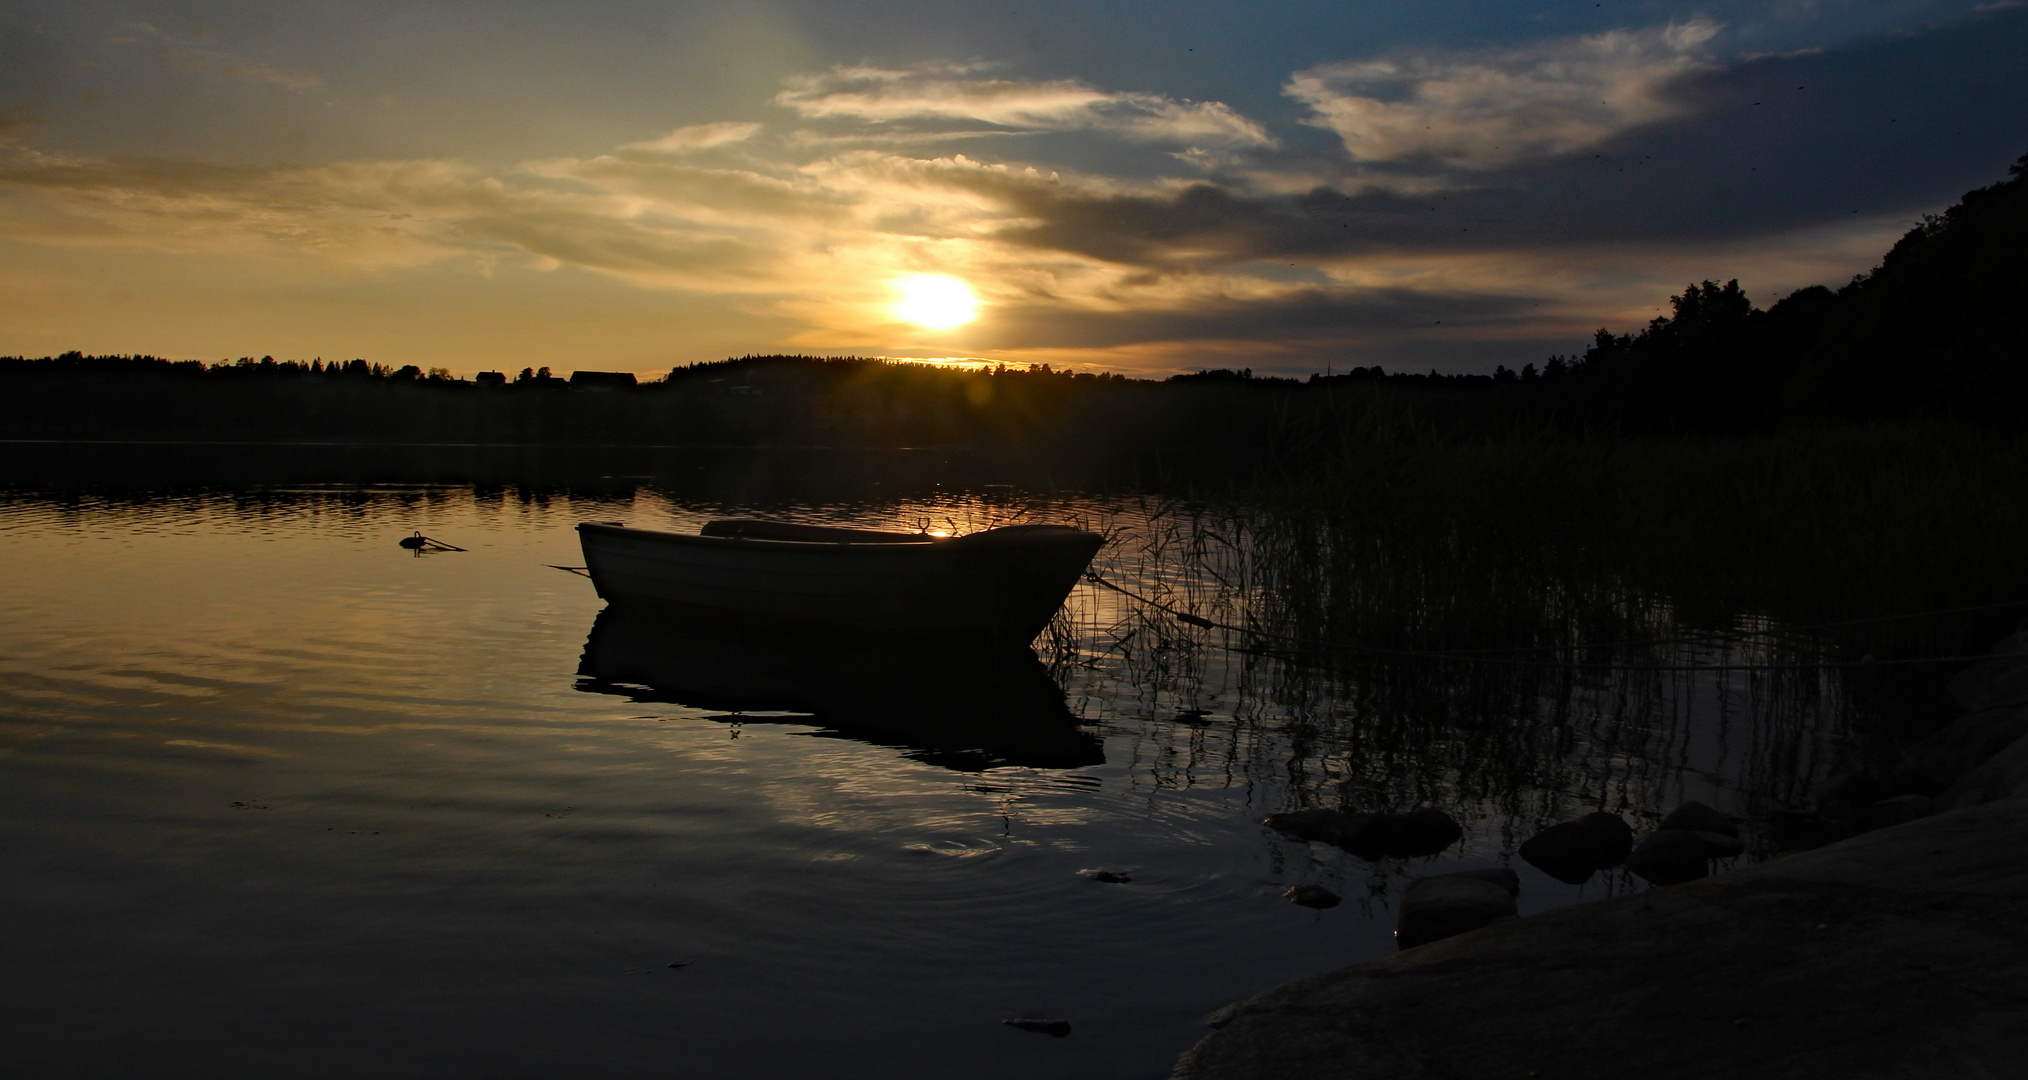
{"x": 1107, "y": 876}
{"x": 1372, "y": 836}
{"x": 1697, "y": 817}
{"x": 1721, "y": 846}
{"x": 1420, "y": 832}
{"x": 1500, "y": 875}
{"x": 1569, "y": 852}
{"x": 1574, "y": 850}
{"x": 1401, "y": 836}
{"x": 1312, "y": 896}
{"x": 1329, "y": 826}
{"x": 1434, "y": 908}
{"x": 1671, "y": 857}
{"x": 1614, "y": 833}
{"x": 1058, "y": 1028}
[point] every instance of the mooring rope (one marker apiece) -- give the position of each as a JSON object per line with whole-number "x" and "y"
{"x": 1479, "y": 657}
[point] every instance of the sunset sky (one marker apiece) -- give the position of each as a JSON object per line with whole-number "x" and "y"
{"x": 1137, "y": 187}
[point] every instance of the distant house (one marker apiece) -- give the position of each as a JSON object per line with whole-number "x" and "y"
{"x": 490, "y": 378}
{"x": 602, "y": 380}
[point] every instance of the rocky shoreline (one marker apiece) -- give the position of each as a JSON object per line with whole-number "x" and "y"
{"x": 1897, "y": 948}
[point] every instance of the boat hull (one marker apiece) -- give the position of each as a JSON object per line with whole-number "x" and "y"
{"x": 1000, "y": 584}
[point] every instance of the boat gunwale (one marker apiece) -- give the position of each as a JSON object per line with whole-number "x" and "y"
{"x": 749, "y": 541}
{"x": 1070, "y": 534}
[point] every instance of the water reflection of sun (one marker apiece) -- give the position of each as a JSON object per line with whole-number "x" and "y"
{"x": 935, "y": 301}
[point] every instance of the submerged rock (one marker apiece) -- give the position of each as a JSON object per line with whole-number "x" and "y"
{"x": 1107, "y": 876}
{"x": 1312, "y": 896}
{"x": 1697, "y": 817}
{"x": 1571, "y": 852}
{"x": 1434, "y": 908}
{"x": 1671, "y": 857}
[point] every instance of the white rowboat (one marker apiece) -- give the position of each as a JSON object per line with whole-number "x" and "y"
{"x": 1002, "y": 584}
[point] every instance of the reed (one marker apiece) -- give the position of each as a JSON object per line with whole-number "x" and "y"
{"x": 1503, "y": 540}
{"x": 1608, "y": 560}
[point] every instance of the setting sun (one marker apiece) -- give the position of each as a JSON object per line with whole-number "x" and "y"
{"x": 935, "y": 301}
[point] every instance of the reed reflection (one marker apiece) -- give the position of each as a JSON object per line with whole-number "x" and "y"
{"x": 967, "y": 709}
{"x": 1317, "y": 703}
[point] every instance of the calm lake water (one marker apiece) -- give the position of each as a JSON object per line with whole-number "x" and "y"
{"x": 283, "y": 799}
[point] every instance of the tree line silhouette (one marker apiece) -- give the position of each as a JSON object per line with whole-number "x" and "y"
{"x": 1933, "y": 331}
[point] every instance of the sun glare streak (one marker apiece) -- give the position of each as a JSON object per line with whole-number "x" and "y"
{"x": 936, "y": 301}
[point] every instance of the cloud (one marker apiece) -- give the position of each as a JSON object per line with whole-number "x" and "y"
{"x": 1062, "y": 263}
{"x": 366, "y": 214}
{"x": 200, "y": 54}
{"x": 360, "y": 217}
{"x": 1476, "y": 241}
{"x": 696, "y": 137}
{"x": 1489, "y": 109}
{"x": 677, "y": 191}
{"x": 1301, "y": 313}
{"x": 957, "y": 93}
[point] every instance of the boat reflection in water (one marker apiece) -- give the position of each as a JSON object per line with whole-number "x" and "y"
{"x": 967, "y": 710}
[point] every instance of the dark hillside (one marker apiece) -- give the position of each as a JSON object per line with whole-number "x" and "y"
{"x": 1938, "y": 326}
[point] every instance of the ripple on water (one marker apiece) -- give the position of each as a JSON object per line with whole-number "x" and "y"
{"x": 956, "y": 849}
{"x": 834, "y": 889}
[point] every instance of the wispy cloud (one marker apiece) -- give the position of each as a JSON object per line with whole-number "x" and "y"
{"x": 963, "y": 93}
{"x": 686, "y": 140}
{"x": 1486, "y": 109}
{"x": 200, "y": 53}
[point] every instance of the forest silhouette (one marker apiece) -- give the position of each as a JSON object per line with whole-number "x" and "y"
{"x": 1933, "y": 332}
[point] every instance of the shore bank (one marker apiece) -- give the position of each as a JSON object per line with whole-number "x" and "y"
{"x": 1900, "y": 952}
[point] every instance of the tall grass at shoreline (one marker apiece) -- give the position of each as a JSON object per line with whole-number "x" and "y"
{"x": 1482, "y": 542}
{"x": 1591, "y": 565}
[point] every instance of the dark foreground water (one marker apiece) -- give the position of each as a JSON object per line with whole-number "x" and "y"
{"x": 278, "y": 798}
